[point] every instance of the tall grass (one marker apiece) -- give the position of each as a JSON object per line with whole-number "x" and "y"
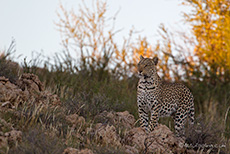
{"x": 88, "y": 91}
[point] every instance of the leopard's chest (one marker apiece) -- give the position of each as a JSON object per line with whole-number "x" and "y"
{"x": 147, "y": 92}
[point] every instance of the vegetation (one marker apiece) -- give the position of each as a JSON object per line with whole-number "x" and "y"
{"x": 102, "y": 74}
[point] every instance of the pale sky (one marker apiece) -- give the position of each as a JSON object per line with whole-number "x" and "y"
{"x": 32, "y": 22}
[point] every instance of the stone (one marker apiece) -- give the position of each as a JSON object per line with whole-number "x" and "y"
{"x": 107, "y": 135}
{"x": 30, "y": 82}
{"x": 118, "y": 119}
{"x": 75, "y": 119}
{"x": 14, "y": 136}
{"x": 161, "y": 140}
{"x": 3, "y": 142}
{"x": 70, "y": 151}
{"x": 131, "y": 150}
{"x": 85, "y": 151}
{"x": 28, "y": 87}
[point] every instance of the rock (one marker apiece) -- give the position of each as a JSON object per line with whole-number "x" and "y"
{"x": 76, "y": 123}
{"x": 76, "y": 151}
{"x": 3, "y": 79}
{"x": 14, "y": 136}
{"x": 10, "y": 138}
{"x": 75, "y": 119}
{"x": 131, "y": 150}
{"x": 30, "y": 82}
{"x": 161, "y": 140}
{"x": 135, "y": 138}
{"x": 106, "y": 134}
{"x": 85, "y": 151}
{"x": 11, "y": 95}
{"x": 4, "y": 125}
{"x": 163, "y": 136}
{"x": 125, "y": 118}
{"x": 70, "y": 151}
{"x": 26, "y": 88}
{"x": 52, "y": 98}
{"x": 32, "y": 86}
{"x": 3, "y": 142}
{"x": 118, "y": 119}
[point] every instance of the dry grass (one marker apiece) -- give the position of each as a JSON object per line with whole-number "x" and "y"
{"x": 37, "y": 141}
{"x": 89, "y": 94}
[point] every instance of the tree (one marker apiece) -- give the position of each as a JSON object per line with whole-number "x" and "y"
{"x": 210, "y": 20}
{"x": 204, "y": 54}
{"x": 88, "y": 33}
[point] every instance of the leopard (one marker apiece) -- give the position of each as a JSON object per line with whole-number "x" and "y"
{"x": 157, "y": 98}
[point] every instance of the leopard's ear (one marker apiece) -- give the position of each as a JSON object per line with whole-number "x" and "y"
{"x": 141, "y": 57}
{"x": 155, "y": 60}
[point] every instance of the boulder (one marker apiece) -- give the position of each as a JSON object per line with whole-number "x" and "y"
{"x": 32, "y": 86}
{"x": 75, "y": 120}
{"x": 11, "y": 94}
{"x": 107, "y": 135}
{"x": 161, "y": 140}
{"x": 10, "y": 138}
{"x": 30, "y": 82}
{"x": 70, "y": 151}
{"x": 14, "y": 136}
{"x": 136, "y": 138}
{"x": 26, "y": 88}
{"x": 118, "y": 119}
{"x": 3, "y": 142}
{"x": 126, "y": 119}
{"x": 85, "y": 151}
{"x": 131, "y": 150}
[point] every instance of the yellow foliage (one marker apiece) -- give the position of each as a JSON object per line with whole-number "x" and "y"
{"x": 210, "y": 20}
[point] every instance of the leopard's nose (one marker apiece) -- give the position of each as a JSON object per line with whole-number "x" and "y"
{"x": 140, "y": 71}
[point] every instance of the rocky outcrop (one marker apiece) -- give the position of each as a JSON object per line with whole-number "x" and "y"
{"x": 76, "y": 124}
{"x": 131, "y": 150}
{"x": 123, "y": 120}
{"x": 110, "y": 129}
{"x": 135, "y": 139}
{"x": 10, "y": 94}
{"x": 70, "y": 151}
{"x": 75, "y": 120}
{"x": 161, "y": 140}
{"x": 27, "y": 89}
{"x": 107, "y": 135}
{"x": 8, "y": 135}
{"x": 31, "y": 83}
{"x": 28, "y": 86}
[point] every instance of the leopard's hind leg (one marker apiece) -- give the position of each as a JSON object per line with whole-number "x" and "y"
{"x": 179, "y": 121}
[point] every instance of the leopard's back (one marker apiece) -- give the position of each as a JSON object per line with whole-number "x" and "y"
{"x": 174, "y": 96}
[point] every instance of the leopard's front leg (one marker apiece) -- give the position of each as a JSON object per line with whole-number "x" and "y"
{"x": 154, "y": 117}
{"x": 143, "y": 114}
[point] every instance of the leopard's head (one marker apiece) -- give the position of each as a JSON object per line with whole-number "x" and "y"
{"x": 147, "y": 67}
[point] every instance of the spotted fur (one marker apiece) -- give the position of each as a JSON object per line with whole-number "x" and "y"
{"x": 156, "y": 98}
